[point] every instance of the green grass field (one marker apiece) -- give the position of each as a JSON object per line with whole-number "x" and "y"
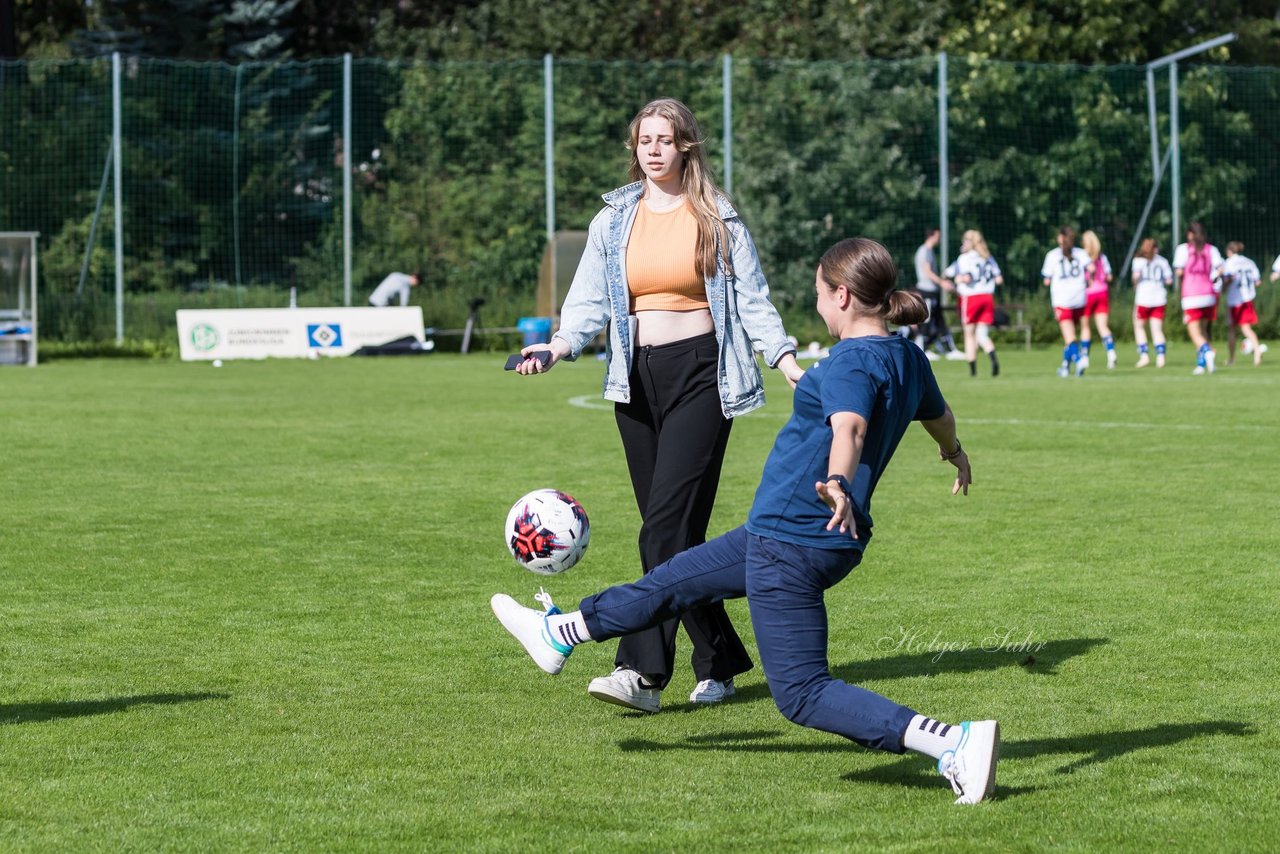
{"x": 247, "y": 609}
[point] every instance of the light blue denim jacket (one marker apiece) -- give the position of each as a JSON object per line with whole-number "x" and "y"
{"x": 740, "y": 306}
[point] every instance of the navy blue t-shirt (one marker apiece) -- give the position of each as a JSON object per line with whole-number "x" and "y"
{"x": 885, "y": 379}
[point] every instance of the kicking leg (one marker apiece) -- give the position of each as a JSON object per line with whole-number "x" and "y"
{"x": 711, "y": 572}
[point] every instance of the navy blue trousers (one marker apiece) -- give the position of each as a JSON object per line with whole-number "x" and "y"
{"x": 784, "y": 585}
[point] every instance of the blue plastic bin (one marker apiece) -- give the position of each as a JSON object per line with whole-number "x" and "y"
{"x": 536, "y": 330}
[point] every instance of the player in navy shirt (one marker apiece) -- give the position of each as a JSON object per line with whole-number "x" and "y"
{"x": 882, "y": 379}
{"x": 808, "y": 527}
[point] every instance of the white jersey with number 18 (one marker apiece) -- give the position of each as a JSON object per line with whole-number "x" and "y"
{"x": 1066, "y": 277}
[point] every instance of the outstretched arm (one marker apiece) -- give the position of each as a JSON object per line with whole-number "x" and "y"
{"x": 943, "y": 431}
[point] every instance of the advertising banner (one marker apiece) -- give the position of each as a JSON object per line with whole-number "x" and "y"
{"x": 290, "y": 333}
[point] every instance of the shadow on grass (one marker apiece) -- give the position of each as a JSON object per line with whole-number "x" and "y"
{"x": 919, "y": 772}
{"x": 1091, "y": 749}
{"x": 29, "y": 713}
{"x": 1041, "y": 657}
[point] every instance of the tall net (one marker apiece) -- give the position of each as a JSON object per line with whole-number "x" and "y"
{"x": 1071, "y": 153}
{"x": 234, "y": 177}
{"x": 831, "y": 150}
{"x": 55, "y": 140}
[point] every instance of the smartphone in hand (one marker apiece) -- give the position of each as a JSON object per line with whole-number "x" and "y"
{"x": 513, "y": 361}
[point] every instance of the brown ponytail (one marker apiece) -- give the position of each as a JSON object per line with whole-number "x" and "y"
{"x": 867, "y": 271}
{"x": 907, "y": 308}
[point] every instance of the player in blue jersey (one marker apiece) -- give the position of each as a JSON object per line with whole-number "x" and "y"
{"x": 807, "y": 529}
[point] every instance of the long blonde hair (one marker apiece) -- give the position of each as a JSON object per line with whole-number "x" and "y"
{"x": 976, "y": 242}
{"x": 695, "y": 180}
{"x": 1091, "y": 244}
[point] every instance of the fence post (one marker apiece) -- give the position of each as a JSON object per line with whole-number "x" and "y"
{"x": 116, "y": 144}
{"x": 1151, "y": 119}
{"x": 1175, "y": 157}
{"x": 549, "y": 145}
{"x": 943, "y": 169}
{"x": 235, "y": 174}
{"x": 727, "y": 86}
{"x": 348, "y": 158}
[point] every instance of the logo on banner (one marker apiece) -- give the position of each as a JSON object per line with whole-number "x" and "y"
{"x": 204, "y": 337}
{"x": 324, "y": 335}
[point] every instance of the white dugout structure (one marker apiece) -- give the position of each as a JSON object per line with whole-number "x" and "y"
{"x": 19, "y": 271}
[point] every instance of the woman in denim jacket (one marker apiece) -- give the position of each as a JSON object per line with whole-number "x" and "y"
{"x": 685, "y": 311}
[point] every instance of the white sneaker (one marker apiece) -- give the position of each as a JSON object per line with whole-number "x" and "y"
{"x": 1111, "y": 360}
{"x": 622, "y": 688}
{"x": 1143, "y": 361}
{"x": 529, "y": 626}
{"x": 1082, "y": 366}
{"x": 971, "y": 767}
{"x": 1197, "y": 371}
{"x": 955, "y": 356}
{"x": 1062, "y": 372}
{"x": 1160, "y": 360}
{"x": 931, "y": 356}
{"x": 1209, "y": 357}
{"x": 712, "y": 691}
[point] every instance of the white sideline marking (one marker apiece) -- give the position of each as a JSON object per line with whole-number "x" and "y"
{"x": 1110, "y": 425}
{"x": 588, "y": 401}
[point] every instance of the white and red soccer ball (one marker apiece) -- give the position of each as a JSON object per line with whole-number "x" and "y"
{"x": 547, "y": 531}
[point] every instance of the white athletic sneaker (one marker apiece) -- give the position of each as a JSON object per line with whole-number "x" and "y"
{"x": 622, "y": 688}
{"x": 712, "y": 691}
{"x": 529, "y": 626}
{"x": 1062, "y": 372}
{"x": 1159, "y": 360}
{"x": 971, "y": 767}
{"x": 1143, "y": 361}
{"x": 1257, "y": 354}
{"x": 1111, "y": 360}
{"x": 931, "y": 356}
{"x": 1209, "y": 357}
{"x": 956, "y": 356}
{"x": 1082, "y": 366}
{"x": 1198, "y": 370}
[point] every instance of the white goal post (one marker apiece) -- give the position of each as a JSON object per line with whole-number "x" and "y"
{"x": 18, "y": 315}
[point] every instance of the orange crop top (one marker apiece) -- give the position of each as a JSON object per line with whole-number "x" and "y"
{"x": 660, "y": 261}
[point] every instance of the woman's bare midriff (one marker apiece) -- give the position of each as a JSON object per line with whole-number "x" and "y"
{"x": 654, "y": 328}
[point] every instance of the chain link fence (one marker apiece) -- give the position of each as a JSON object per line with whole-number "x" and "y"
{"x": 239, "y": 183}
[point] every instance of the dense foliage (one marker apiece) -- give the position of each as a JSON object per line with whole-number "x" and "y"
{"x": 1089, "y": 31}
{"x": 234, "y": 172}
